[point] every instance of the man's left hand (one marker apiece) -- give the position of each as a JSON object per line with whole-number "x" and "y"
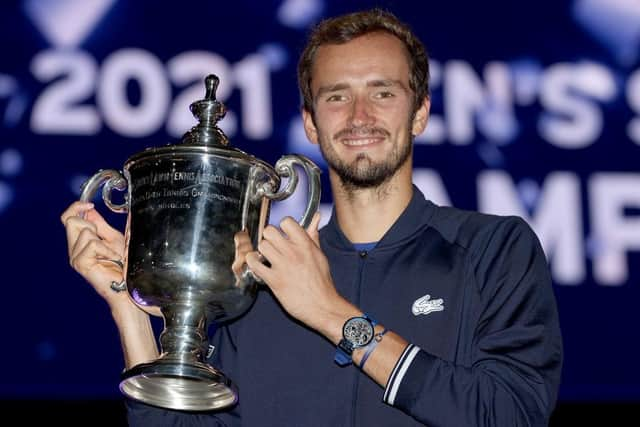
{"x": 299, "y": 274}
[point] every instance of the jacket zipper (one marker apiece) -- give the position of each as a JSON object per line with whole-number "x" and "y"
{"x": 362, "y": 257}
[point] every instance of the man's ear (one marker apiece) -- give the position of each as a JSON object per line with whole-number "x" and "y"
{"x": 421, "y": 117}
{"x": 309, "y": 126}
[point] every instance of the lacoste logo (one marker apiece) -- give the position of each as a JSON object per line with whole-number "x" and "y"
{"x": 425, "y": 305}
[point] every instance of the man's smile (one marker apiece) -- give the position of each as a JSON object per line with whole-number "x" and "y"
{"x": 362, "y": 141}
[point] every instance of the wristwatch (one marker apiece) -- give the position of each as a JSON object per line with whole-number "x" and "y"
{"x": 356, "y": 332}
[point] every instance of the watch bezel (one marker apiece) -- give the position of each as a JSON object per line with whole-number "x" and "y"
{"x": 363, "y": 333}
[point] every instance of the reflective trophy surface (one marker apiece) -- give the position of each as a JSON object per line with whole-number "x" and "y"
{"x": 194, "y": 210}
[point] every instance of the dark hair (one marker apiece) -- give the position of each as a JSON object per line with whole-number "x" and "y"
{"x": 345, "y": 28}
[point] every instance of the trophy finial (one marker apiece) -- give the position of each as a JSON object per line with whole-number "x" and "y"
{"x": 211, "y": 83}
{"x": 208, "y": 111}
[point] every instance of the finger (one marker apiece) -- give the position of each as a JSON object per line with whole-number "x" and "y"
{"x": 312, "y": 229}
{"x": 269, "y": 251}
{"x": 83, "y": 236}
{"x": 243, "y": 246}
{"x": 273, "y": 235}
{"x": 76, "y": 209}
{"x": 90, "y": 254}
{"x": 86, "y": 211}
{"x": 241, "y": 238}
{"x": 242, "y": 243}
{"x": 236, "y": 265}
{"x": 74, "y": 226}
{"x": 292, "y": 229}
{"x": 104, "y": 230}
{"x": 88, "y": 239}
{"x": 254, "y": 262}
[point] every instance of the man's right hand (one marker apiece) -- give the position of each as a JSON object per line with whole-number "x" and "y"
{"x": 95, "y": 249}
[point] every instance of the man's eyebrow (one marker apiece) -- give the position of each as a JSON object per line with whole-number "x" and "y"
{"x": 387, "y": 83}
{"x": 331, "y": 88}
{"x": 372, "y": 83}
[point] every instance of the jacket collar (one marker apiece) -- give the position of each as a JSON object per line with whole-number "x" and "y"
{"x": 416, "y": 216}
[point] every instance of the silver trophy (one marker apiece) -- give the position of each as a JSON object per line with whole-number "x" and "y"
{"x": 194, "y": 210}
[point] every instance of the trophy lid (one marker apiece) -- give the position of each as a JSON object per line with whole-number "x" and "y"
{"x": 203, "y": 138}
{"x": 208, "y": 111}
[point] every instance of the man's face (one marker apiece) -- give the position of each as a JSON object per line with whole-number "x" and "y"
{"x": 363, "y": 117}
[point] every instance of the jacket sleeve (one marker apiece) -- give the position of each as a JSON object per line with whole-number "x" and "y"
{"x": 143, "y": 415}
{"x": 514, "y": 374}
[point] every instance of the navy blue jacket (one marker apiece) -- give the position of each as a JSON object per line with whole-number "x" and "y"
{"x": 488, "y": 354}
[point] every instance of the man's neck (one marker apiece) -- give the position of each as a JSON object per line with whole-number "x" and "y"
{"x": 365, "y": 215}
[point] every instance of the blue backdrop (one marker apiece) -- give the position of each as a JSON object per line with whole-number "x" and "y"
{"x": 535, "y": 112}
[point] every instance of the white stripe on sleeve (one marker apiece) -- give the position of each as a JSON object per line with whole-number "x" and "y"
{"x": 398, "y": 373}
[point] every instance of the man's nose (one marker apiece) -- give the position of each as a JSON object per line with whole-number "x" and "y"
{"x": 361, "y": 112}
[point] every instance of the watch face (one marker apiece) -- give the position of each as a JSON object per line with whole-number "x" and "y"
{"x": 358, "y": 331}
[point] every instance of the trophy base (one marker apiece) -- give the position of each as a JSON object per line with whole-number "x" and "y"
{"x": 174, "y": 385}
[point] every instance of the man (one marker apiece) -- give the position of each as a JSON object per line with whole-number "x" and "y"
{"x": 450, "y": 315}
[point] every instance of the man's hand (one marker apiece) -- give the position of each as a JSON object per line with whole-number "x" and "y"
{"x": 299, "y": 276}
{"x": 95, "y": 249}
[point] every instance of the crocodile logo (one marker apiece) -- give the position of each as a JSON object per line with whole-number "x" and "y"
{"x": 426, "y": 305}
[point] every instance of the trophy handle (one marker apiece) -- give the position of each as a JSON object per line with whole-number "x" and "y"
{"x": 112, "y": 180}
{"x": 285, "y": 168}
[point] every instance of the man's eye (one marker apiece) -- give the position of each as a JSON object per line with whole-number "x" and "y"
{"x": 334, "y": 98}
{"x": 385, "y": 94}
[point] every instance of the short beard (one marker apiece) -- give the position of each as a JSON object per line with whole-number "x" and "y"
{"x": 362, "y": 173}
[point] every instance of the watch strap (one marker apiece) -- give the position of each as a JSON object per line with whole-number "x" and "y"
{"x": 341, "y": 357}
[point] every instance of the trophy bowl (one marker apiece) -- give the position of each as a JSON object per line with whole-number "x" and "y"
{"x": 194, "y": 210}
